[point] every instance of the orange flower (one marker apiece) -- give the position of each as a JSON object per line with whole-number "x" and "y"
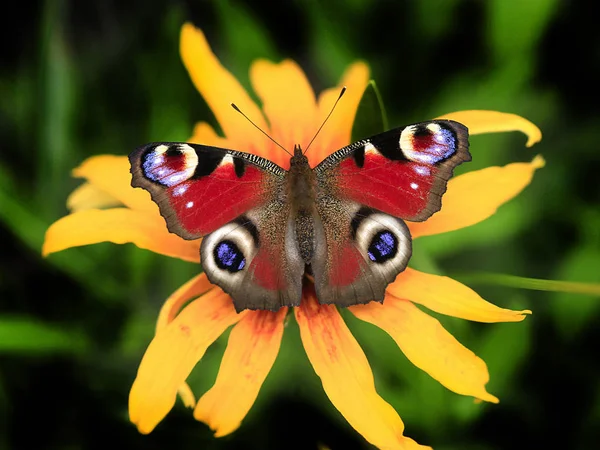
{"x": 106, "y": 208}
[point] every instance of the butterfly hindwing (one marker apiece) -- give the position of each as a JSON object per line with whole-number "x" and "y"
{"x": 365, "y": 251}
{"x": 200, "y": 188}
{"x": 254, "y": 260}
{"x": 402, "y": 172}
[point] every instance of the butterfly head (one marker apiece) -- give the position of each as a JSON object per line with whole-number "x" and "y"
{"x": 298, "y": 159}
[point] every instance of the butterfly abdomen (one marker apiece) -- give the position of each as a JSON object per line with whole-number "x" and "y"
{"x": 305, "y": 235}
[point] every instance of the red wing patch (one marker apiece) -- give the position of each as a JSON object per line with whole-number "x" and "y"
{"x": 267, "y": 269}
{"x": 200, "y": 188}
{"x": 402, "y": 172}
{"x": 391, "y": 186}
{"x": 204, "y": 204}
{"x": 345, "y": 263}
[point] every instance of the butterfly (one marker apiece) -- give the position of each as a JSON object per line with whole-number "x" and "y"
{"x": 340, "y": 222}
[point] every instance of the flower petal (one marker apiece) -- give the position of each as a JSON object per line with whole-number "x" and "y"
{"x": 447, "y": 296}
{"x": 172, "y": 355}
{"x": 346, "y": 376}
{"x": 88, "y": 196}
{"x": 288, "y": 102}
{"x": 169, "y": 310}
{"x": 251, "y": 351}
{"x": 219, "y": 88}
{"x": 481, "y": 121}
{"x": 205, "y": 134}
{"x": 171, "y": 307}
{"x": 475, "y": 196}
{"x": 110, "y": 174}
{"x": 429, "y": 346}
{"x": 336, "y": 133}
{"x": 118, "y": 225}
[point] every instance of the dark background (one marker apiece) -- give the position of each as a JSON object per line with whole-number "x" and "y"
{"x": 85, "y": 78}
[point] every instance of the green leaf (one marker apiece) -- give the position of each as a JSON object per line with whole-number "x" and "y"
{"x": 515, "y": 28}
{"x": 573, "y": 313}
{"x": 23, "y": 335}
{"x": 58, "y": 79}
{"x": 434, "y": 26}
{"x": 501, "y": 228}
{"x": 22, "y": 218}
{"x": 329, "y": 39}
{"x": 245, "y": 39}
{"x": 505, "y": 348}
{"x": 370, "y": 117}
{"x": 17, "y": 214}
{"x": 422, "y": 260}
{"x": 535, "y": 284}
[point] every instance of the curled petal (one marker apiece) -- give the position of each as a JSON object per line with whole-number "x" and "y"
{"x": 187, "y": 396}
{"x": 172, "y": 355}
{"x": 192, "y": 289}
{"x": 111, "y": 175}
{"x": 205, "y": 134}
{"x": 336, "y": 133}
{"x": 288, "y": 102}
{"x": 346, "y": 376}
{"x": 118, "y": 225}
{"x": 219, "y": 88}
{"x": 447, "y": 296}
{"x": 480, "y": 121}
{"x": 251, "y": 351}
{"x": 88, "y": 196}
{"x": 429, "y": 346}
{"x": 475, "y": 196}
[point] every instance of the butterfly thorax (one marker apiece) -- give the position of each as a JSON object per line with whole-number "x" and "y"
{"x": 301, "y": 190}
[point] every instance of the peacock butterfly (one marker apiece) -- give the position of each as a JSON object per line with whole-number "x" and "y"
{"x": 342, "y": 221}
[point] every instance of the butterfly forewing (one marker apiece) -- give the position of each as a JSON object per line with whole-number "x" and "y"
{"x": 402, "y": 172}
{"x": 200, "y": 188}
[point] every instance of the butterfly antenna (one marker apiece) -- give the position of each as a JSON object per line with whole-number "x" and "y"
{"x": 234, "y": 106}
{"x": 326, "y": 119}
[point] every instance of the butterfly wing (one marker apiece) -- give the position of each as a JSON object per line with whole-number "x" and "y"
{"x": 253, "y": 260}
{"x": 200, "y": 188}
{"x": 237, "y": 201}
{"x": 402, "y": 172}
{"x": 366, "y": 190}
{"x": 363, "y": 250}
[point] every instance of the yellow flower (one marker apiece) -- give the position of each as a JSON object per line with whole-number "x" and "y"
{"x": 106, "y": 208}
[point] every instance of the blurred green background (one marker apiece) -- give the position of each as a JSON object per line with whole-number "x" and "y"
{"x": 85, "y": 78}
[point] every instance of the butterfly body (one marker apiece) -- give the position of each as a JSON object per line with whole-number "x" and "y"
{"x": 342, "y": 222}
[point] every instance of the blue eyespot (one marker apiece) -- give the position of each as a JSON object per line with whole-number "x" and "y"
{"x": 383, "y": 247}
{"x": 229, "y": 257}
